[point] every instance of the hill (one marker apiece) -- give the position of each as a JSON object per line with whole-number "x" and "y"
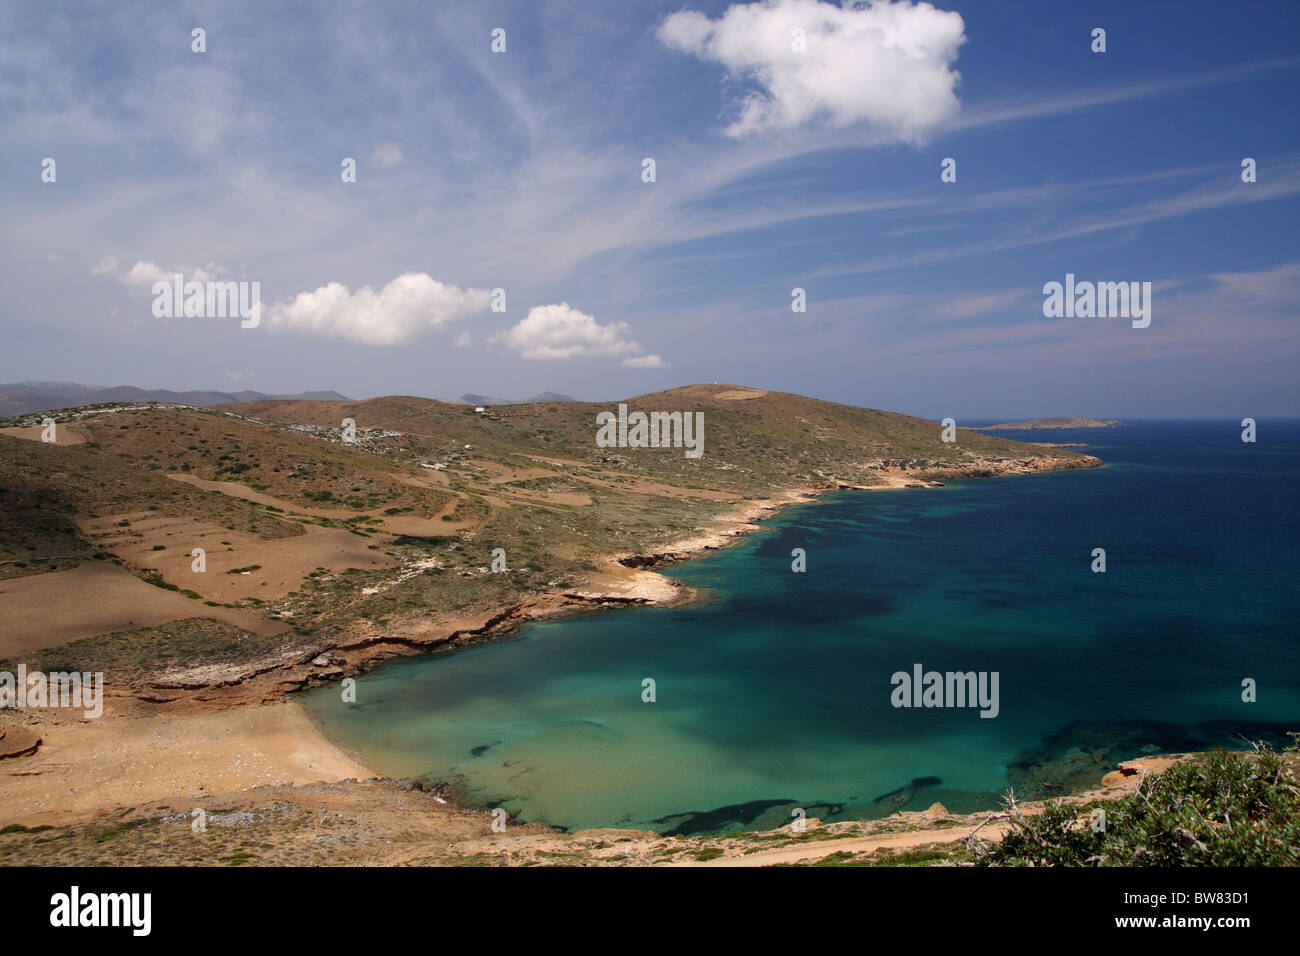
{"x": 316, "y": 540}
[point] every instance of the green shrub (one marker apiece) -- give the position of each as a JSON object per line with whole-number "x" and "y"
{"x": 1222, "y": 808}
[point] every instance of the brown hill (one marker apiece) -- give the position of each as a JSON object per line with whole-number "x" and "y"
{"x": 386, "y": 542}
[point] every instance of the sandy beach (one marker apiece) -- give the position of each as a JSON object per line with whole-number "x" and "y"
{"x": 139, "y": 754}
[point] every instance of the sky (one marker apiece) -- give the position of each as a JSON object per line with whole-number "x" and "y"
{"x": 504, "y": 234}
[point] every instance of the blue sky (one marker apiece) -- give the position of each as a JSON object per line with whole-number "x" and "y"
{"x": 775, "y": 169}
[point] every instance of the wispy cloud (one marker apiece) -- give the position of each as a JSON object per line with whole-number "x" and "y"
{"x": 522, "y": 171}
{"x": 1227, "y": 189}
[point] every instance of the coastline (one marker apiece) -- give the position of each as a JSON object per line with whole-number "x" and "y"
{"x": 276, "y": 769}
{"x": 232, "y": 730}
{"x": 178, "y": 703}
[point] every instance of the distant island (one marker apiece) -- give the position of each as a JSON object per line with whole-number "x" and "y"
{"x": 23, "y": 398}
{"x": 470, "y": 398}
{"x": 1044, "y": 424}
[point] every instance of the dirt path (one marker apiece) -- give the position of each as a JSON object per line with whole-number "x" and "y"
{"x": 812, "y": 852}
{"x": 395, "y": 524}
{"x": 235, "y": 490}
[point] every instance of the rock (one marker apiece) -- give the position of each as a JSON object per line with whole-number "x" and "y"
{"x": 18, "y": 742}
{"x": 1116, "y": 778}
{"x": 324, "y": 660}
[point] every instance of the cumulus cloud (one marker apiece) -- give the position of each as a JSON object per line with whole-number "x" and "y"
{"x": 887, "y": 63}
{"x": 561, "y": 332}
{"x": 645, "y": 361}
{"x": 411, "y": 305}
{"x": 146, "y": 272}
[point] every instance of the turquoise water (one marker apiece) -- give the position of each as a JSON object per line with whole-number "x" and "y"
{"x": 774, "y": 692}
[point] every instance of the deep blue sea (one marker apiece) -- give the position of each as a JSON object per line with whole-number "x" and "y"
{"x": 774, "y": 692}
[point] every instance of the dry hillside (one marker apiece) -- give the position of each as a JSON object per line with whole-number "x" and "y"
{"x": 385, "y": 544}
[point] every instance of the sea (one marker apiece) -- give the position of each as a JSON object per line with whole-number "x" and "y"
{"x": 778, "y": 692}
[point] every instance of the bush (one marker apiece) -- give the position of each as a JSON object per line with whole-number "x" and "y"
{"x": 1222, "y": 808}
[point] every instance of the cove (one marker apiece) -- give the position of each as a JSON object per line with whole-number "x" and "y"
{"x": 773, "y": 691}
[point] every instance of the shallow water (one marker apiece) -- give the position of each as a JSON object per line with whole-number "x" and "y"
{"x": 775, "y": 692}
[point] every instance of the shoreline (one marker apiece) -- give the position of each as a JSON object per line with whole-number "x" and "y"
{"x": 625, "y": 578}
{"x": 651, "y": 588}
{"x": 241, "y": 728}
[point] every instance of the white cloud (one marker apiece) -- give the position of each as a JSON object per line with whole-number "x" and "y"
{"x": 411, "y": 305}
{"x": 561, "y": 332}
{"x": 889, "y": 64}
{"x": 645, "y": 361}
{"x": 463, "y": 341}
{"x": 386, "y": 155}
{"x": 146, "y": 273}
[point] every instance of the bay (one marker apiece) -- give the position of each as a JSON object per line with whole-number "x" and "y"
{"x": 773, "y": 691}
